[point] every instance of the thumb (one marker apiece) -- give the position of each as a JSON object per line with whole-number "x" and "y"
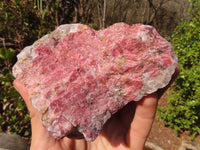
{"x": 25, "y": 95}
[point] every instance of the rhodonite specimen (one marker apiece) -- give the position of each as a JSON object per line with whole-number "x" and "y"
{"x": 78, "y": 77}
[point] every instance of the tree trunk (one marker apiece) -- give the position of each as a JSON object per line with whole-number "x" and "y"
{"x": 104, "y": 14}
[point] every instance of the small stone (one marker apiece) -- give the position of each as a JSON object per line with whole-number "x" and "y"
{"x": 188, "y": 145}
{"x": 78, "y": 78}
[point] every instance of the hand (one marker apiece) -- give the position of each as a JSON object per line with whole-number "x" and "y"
{"x": 126, "y": 130}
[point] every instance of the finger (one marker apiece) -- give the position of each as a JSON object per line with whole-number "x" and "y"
{"x": 39, "y": 133}
{"x": 127, "y": 113}
{"x": 24, "y": 93}
{"x": 142, "y": 122}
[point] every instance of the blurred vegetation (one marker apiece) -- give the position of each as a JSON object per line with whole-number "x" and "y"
{"x": 24, "y": 21}
{"x": 183, "y": 111}
{"x": 21, "y": 23}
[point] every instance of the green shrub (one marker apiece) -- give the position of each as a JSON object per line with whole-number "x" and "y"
{"x": 183, "y": 111}
{"x": 13, "y": 113}
{"x": 21, "y": 23}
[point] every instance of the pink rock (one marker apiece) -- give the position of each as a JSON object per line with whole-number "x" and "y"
{"x": 78, "y": 77}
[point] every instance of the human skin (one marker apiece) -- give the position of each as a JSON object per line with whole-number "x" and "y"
{"x": 128, "y": 129}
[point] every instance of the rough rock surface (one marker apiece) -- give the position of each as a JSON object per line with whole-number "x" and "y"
{"x": 78, "y": 77}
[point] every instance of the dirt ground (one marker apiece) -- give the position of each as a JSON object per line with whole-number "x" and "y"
{"x": 164, "y": 137}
